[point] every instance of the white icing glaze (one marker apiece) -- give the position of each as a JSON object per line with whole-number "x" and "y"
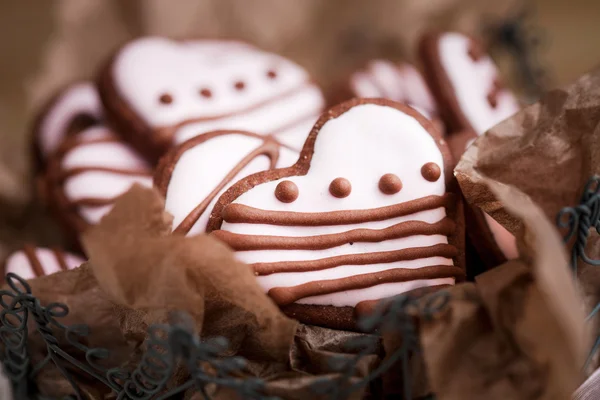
{"x": 19, "y": 264}
{"x": 472, "y": 81}
{"x": 101, "y": 184}
{"x": 360, "y": 145}
{"x": 149, "y": 67}
{"x": 81, "y": 98}
{"x": 201, "y": 168}
{"x": 402, "y": 83}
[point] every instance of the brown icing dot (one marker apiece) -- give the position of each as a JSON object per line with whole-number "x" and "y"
{"x": 340, "y": 187}
{"x": 271, "y": 74}
{"x": 166, "y": 98}
{"x": 431, "y": 171}
{"x": 286, "y": 191}
{"x": 239, "y": 85}
{"x": 475, "y": 51}
{"x": 492, "y": 97}
{"x": 206, "y": 93}
{"x": 390, "y": 184}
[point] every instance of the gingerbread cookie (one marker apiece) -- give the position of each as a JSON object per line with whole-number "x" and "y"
{"x": 367, "y": 212}
{"x": 194, "y": 174}
{"x": 88, "y": 173}
{"x": 398, "y": 82}
{"x": 472, "y": 99}
{"x": 70, "y": 111}
{"x": 465, "y": 83}
{"x": 161, "y": 92}
{"x": 32, "y": 262}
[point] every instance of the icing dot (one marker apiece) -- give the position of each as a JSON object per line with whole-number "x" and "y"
{"x": 286, "y": 191}
{"x": 166, "y": 98}
{"x": 492, "y": 100}
{"x": 340, "y": 187}
{"x": 239, "y": 85}
{"x": 431, "y": 171}
{"x": 271, "y": 74}
{"x": 475, "y": 51}
{"x": 390, "y": 184}
{"x": 206, "y": 93}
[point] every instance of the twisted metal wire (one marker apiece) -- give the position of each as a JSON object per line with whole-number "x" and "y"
{"x": 578, "y": 221}
{"x": 176, "y": 345}
{"x": 395, "y": 315}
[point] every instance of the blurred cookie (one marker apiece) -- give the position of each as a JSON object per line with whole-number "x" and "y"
{"x": 367, "y": 212}
{"x": 466, "y": 85}
{"x": 161, "y": 92}
{"x": 32, "y": 262}
{"x": 194, "y": 174}
{"x": 399, "y": 82}
{"x": 87, "y": 174}
{"x": 73, "y": 109}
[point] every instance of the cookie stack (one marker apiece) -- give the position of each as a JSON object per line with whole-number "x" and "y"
{"x": 333, "y": 209}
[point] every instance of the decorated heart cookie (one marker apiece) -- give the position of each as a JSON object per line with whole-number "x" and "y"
{"x": 364, "y": 214}
{"x": 472, "y": 99}
{"x": 465, "y": 83}
{"x": 194, "y": 174}
{"x": 32, "y": 262}
{"x": 88, "y": 173}
{"x": 162, "y": 92}
{"x": 67, "y": 113}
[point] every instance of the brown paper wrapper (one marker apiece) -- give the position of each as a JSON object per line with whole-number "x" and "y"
{"x": 548, "y": 152}
{"x": 518, "y": 332}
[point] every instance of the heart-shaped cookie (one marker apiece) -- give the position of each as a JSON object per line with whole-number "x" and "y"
{"x": 194, "y": 174}
{"x": 466, "y": 85}
{"x": 87, "y": 174}
{"x": 161, "y": 92}
{"x": 367, "y": 212}
{"x": 70, "y": 111}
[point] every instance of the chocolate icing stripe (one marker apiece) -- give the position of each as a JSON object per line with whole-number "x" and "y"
{"x": 119, "y": 171}
{"x": 239, "y": 213}
{"x": 367, "y": 307}
{"x": 269, "y": 148}
{"x": 93, "y": 202}
{"x": 60, "y": 259}
{"x": 241, "y": 242}
{"x": 77, "y": 141}
{"x": 34, "y": 261}
{"x": 383, "y": 257}
{"x": 288, "y": 295}
{"x": 169, "y": 131}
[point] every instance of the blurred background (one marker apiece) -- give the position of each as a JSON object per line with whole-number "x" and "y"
{"x": 538, "y": 44}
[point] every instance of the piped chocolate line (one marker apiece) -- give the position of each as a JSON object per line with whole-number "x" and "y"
{"x": 93, "y": 202}
{"x": 168, "y": 132}
{"x": 269, "y": 148}
{"x": 60, "y": 259}
{"x": 239, "y": 213}
{"x": 34, "y": 261}
{"x": 241, "y": 242}
{"x": 118, "y": 171}
{"x": 288, "y": 295}
{"x": 383, "y": 257}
